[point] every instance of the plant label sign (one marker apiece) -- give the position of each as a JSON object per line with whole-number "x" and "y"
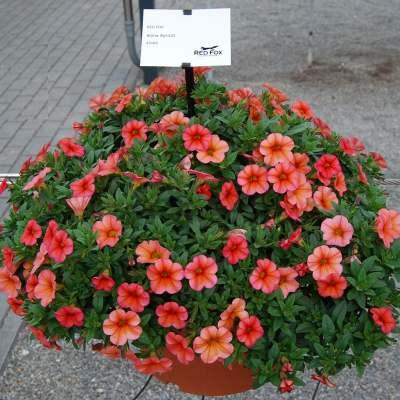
{"x": 171, "y": 38}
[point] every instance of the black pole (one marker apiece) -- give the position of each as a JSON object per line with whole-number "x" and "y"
{"x": 189, "y": 79}
{"x": 143, "y": 388}
{"x": 316, "y": 391}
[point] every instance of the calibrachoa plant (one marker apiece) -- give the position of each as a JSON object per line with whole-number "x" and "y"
{"x": 249, "y": 233}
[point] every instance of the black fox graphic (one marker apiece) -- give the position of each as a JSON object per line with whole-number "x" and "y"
{"x": 208, "y": 48}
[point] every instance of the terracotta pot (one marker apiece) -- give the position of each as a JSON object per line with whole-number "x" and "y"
{"x": 208, "y": 379}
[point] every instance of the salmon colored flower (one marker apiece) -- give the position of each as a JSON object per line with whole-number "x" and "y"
{"x": 228, "y": 196}
{"x": 332, "y": 285}
{"x": 256, "y": 108}
{"x": 237, "y": 309}
{"x": 287, "y": 368}
{"x": 69, "y": 316}
{"x": 132, "y": 296}
{"x": 40, "y": 336}
{"x": 383, "y": 317}
{"x": 204, "y": 190}
{"x": 108, "y": 166}
{"x": 351, "y": 146}
{"x": 178, "y": 346}
{"x": 284, "y": 177}
{"x": 339, "y": 184}
{"x": 134, "y": 130}
{"x": 286, "y": 386}
{"x": 149, "y": 251}
{"x": 37, "y": 182}
{"x": 235, "y": 249}
{"x": 78, "y": 204}
{"x": 122, "y": 326}
{"x": 253, "y": 179}
{"x": 26, "y": 165}
{"x": 378, "y": 158}
{"x": 60, "y": 247}
{"x": 171, "y": 314}
{"x": 123, "y": 103}
{"x": 287, "y": 281}
{"x": 302, "y": 109}
{"x": 110, "y": 351}
{"x": 83, "y": 187}
{"x": 170, "y": 123}
{"x": 213, "y": 343}
{"x": 214, "y": 151}
{"x": 362, "y": 176}
{"x": 301, "y": 194}
{"x": 45, "y": 290}
{"x": 387, "y": 224}
{"x": 265, "y": 276}
{"x": 165, "y": 276}
{"x": 99, "y": 101}
{"x": 201, "y": 273}
{"x": 322, "y": 127}
{"x": 249, "y": 331}
{"x": 301, "y": 269}
{"x": 153, "y": 365}
{"x": 203, "y": 176}
{"x": 196, "y": 137}
{"x": 337, "y": 231}
{"x": 325, "y": 261}
{"x": 294, "y": 211}
{"x": 276, "y": 93}
{"x": 32, "y": 233}
{"x": 324, "y": 379}
{"x": 327, "y": 167}
{"x": 103, "y": 282}
{"x": 324, "y": 198}
{"x": 9, "y": 283}
{"x": 16, "y": 306}
{"x": 8, "y": 259}
{"x": 40, "y": 258}
{"x": 108, "y": 231}
{"x": 300, "y": 162}
{"x": 70, "y": 148}
{"x": 277, "y": 148}
{"x": 161, "y": 87}
{"x": 31, "y": 283}
{"x": 294, "y": 238}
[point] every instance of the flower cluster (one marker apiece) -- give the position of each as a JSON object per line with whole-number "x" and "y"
{"x": 250, "y": 233}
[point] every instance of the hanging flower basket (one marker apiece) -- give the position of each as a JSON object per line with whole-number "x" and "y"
{"x": 220, "y": 252}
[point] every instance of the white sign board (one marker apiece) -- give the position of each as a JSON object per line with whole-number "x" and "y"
{"x": 198, "y": 37}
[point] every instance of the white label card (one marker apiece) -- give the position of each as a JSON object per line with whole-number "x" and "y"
{"x": 171, "y": 37}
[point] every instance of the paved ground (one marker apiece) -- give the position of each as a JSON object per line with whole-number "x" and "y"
{"x": 46, "y": 78}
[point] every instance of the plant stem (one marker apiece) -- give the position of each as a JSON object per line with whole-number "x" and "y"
{"x": 143, "y": 388}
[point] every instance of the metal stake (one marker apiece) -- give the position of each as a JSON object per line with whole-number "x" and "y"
{"x": 189, "y": 79}
{"x": 143, "y": 388}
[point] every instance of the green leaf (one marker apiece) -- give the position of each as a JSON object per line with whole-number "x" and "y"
{"x": 328, "y": 327}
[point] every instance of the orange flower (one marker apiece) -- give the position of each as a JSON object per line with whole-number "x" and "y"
{"x": 9, "y": 283}
{"x": 153, "y": 365}
{"x": 110, "y": 351}
{"x": 362, "y": 176}
{"x": 253, "y": 179}
{"x": 37, "y": 181}
{"x": 228, "y": 196}
{"x": 213, "y": 343}
{"x": 171, "y": 314}
{"x": 337, "y": 231}
{"x": 302, "y": 109}
{"x": 275, "y": 93}
{"x": 197, "y": 137}
{"x": 332, "y": 285}
{"x": 45, "y": 290}
{"x": 327, "y": 167}
{"x": 132, "y": 296}
{"x": 276, "y": 148}
{"x": 351, "y": 146}
{"x": 286, "y": 386}
{"x": 287, "y": 281}
{"x": 70, "y": 148}
{"x": 324, "y": 198}
{"x": 284, "y": 177}
{"x": 378, "y": 158}
{"x": 179, "y": 347}
{"x": 301, "y": 194}
{"x": 324, "y": 261}
{"x": 249, "y": 331}
{"x": 201, "y": 273}
{"x": 78, "y": 204}
{"x": 32, "y": 233}
{"x": 108, "y": 231}
{"x": 170, "y": 123}
{"x": 322, "y": 127}
{"x": 122, "y": 326}
{"x": 340, "y": 184}
{"x": 214, "y": 151}
{"x": 99, "y": 101}
{"x": 234, "y": 310}
{"x": 150, "y": 251}
{"x": 383, "y": 317}
{"x": 294, "y": 238}
{"x": 265, "y": 276}
{"x": 103, "y": 282}
{"x": 134, "y": 130}
{"x": 83, "y": 187}
{"x": 236, "y": 249}
{"x": 60, "y": 247}
{"x": 108, "y": 166}
{"x": 205, "y": 191}
{"x": 69, "y": 316}
{"x": 16, "y": 306}
{"x": 387, "y": 224}
{"x": 8, "y": 259}
{"x": 300, "y": 162}
{"x": 41, "y": 337}
{"x": 165, "y": 276}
